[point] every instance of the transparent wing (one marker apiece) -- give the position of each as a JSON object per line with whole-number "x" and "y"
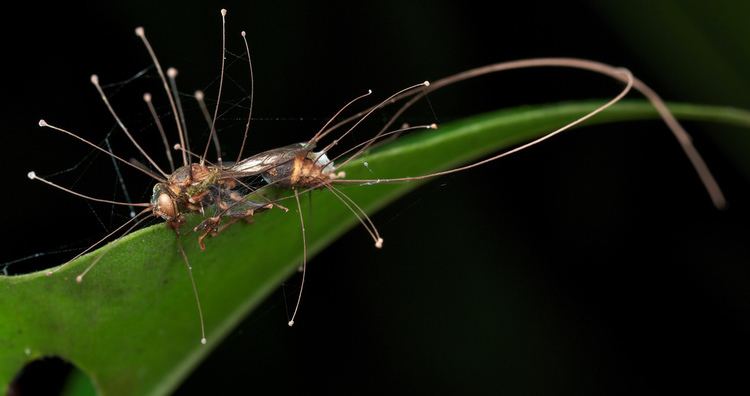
{"x": 264, "y": 161}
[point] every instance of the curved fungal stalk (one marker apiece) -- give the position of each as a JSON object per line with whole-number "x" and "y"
{"x": 221, "y": 86}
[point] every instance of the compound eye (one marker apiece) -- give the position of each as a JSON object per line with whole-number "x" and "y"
{"x": 166, "y": 207}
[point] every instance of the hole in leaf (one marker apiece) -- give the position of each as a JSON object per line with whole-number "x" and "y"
{"x": 51, "y": 376}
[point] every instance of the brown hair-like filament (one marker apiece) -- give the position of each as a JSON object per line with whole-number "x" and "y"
{"x": 709, "y": 182}
{"x": 221, "y": 84}
{"x": 160, "y": 127}
{"x": 140, "y": 32}
{"x": 304, "y": 257}
{"x": 534, "y": 142}
{"x": 252, "y": 97}
{"x": 195, "y": 289}
{"x": 172, "y": 76}
{"x": 95, "y": 81}
{"x": 199, "y": 97}
{"x": 45, "y": 124}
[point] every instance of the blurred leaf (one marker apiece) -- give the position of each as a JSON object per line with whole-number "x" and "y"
{"x": 696, "y": 49}
{"x": 132, "y": 326}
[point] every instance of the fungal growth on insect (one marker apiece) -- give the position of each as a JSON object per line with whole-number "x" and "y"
{"x": 223, "y": 193}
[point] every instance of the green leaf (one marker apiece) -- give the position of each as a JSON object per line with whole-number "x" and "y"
{"x": 132, "y": 325}
{"x": 710, "y": 37}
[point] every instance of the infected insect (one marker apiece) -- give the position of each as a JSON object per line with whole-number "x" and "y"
{"x": 191, "y": 188}
{"x": 226, "y": 192}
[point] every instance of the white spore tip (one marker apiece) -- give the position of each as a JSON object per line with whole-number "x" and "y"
{"x": 177, "y": 147}
{"x": 79, "y": 278}
{"x": 172, "y": 72}
{"x": 426, "y": 83}
{"x": 199, "y": 95}
{"x": 203, "y": 340}
{"x": 147, "y": 97}
{"x": 291, "y": 323}
{"x": 42, "y": 123}
{"x": 243, "y": 33}
{"x": 379, "y": 243}
{"x": 433, "y": 126}
{"x": 95, "y": 79}
{"x": 223, "y": 12}
{"x": 31, "y": 175}
{"x": 139, "y": 31}
{"x": 369, "y": 91}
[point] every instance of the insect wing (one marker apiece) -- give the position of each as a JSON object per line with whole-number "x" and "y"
{"x": 266, "y": 160}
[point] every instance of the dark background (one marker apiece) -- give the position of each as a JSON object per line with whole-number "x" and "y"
{"x": 591, "y": 264}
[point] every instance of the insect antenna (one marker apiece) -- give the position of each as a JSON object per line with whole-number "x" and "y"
{"x": 221, "y": 83}
{"x": 172, "y": 75}
{"x": 160, "y": 127}
{"x": 252, "y": 97}
{"x": 80, "y": 276}
{"x": 140, "y": 32}
{"x": 195, "y": 288}
{"x": 304, "y": 257}
{"x": 95, "y": 81}
{"x": 44, "y": 124}
{"x": 565, "y": 127}
{"x": 199, "y": 97}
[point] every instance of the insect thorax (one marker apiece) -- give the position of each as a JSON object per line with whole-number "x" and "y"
{"x": 307, "y": 169}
